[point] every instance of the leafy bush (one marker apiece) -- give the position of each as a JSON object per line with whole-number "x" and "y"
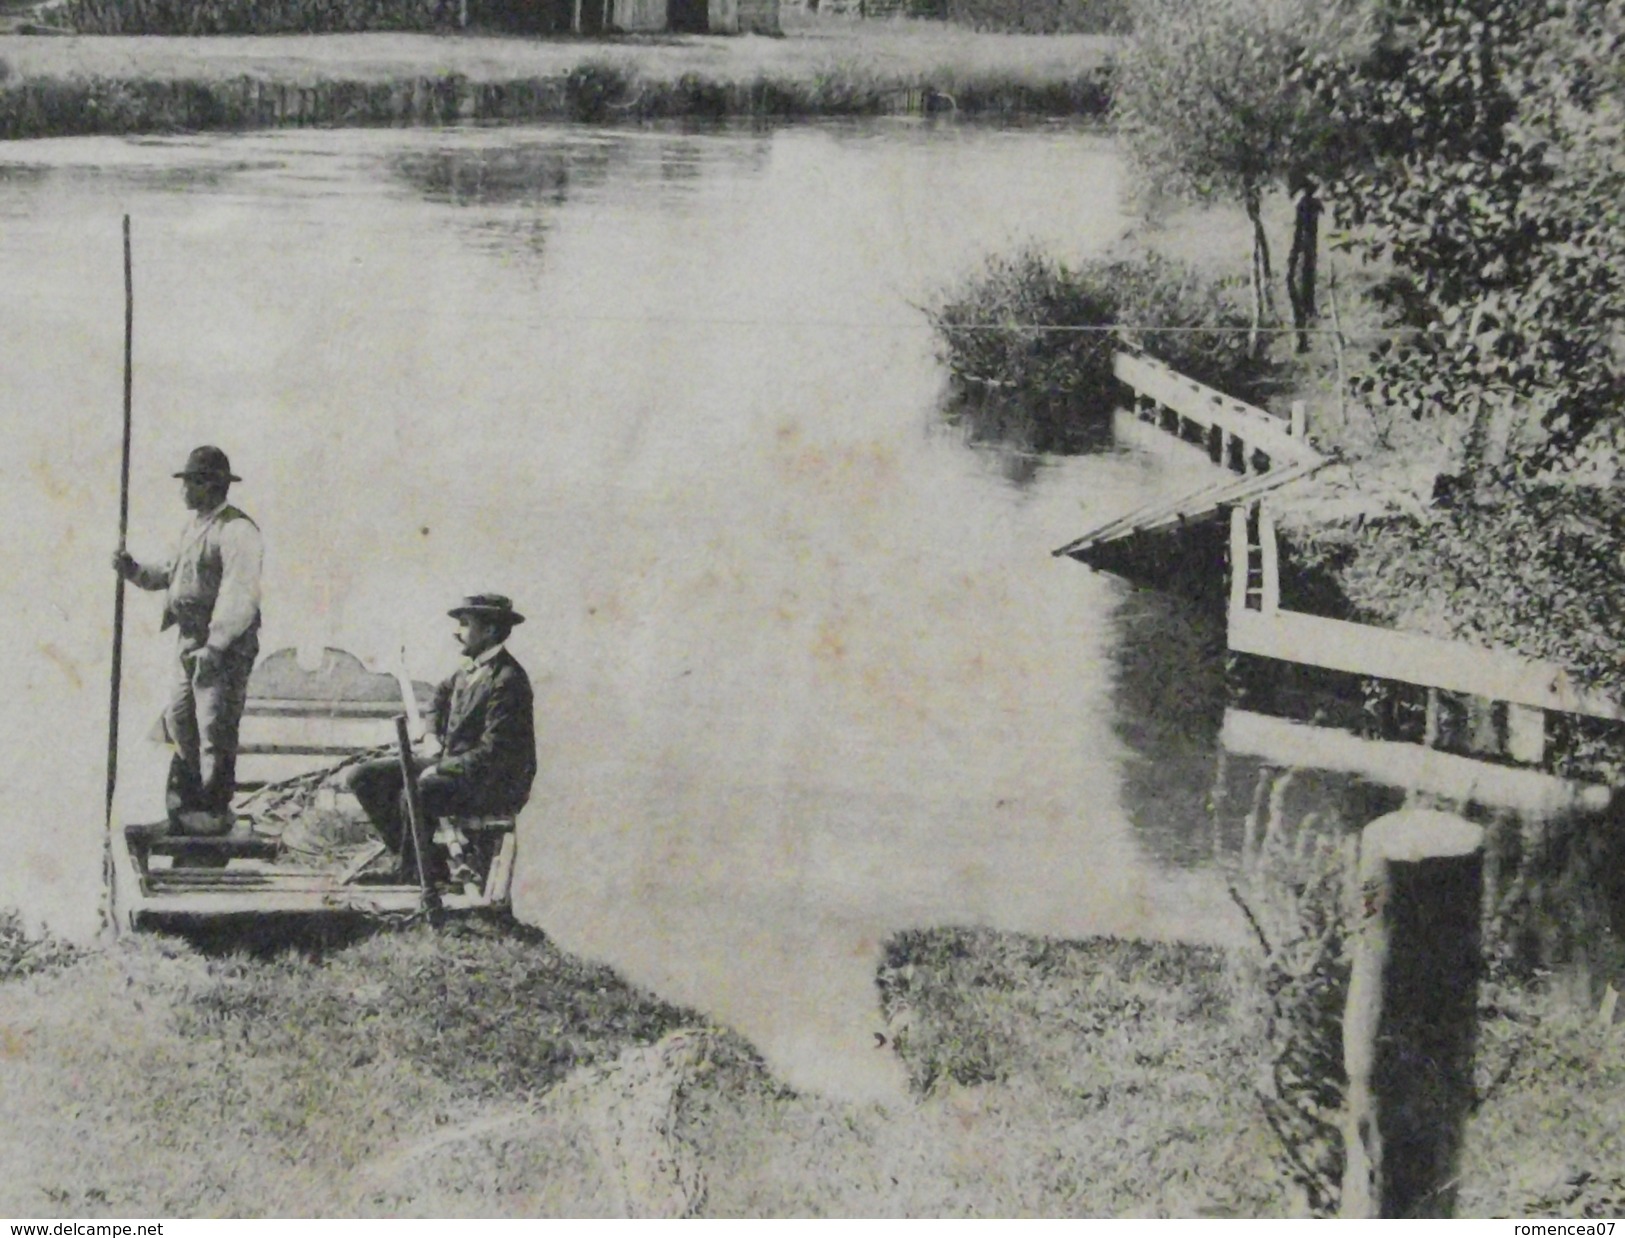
{"x": 1535, "y": 569}
{"x": 593, "y": 87}
{"x": 1029, "y": 341}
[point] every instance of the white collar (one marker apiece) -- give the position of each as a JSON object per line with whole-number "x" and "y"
{"x": 484, "y": 659}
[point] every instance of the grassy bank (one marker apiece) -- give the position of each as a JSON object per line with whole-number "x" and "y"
{"x": 172, "y": 1079}
{"x": 58, "y": 86}
{"x": 480, "y": 1071}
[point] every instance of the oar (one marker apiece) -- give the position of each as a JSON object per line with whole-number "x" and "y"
{"x": 109, "y": 915}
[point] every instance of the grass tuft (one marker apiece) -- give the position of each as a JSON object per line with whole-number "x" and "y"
{"x": 24, "y": 953}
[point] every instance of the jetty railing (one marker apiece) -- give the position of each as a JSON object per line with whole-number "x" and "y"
{"x": 1237, "y": 435}
{"x": 1517, "y": 699}
{"x": 1253, "y": 451}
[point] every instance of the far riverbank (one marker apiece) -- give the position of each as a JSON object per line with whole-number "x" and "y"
{"x": 73, "y": 85}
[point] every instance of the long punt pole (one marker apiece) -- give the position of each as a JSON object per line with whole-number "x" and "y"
{"x": 108, "y": 912}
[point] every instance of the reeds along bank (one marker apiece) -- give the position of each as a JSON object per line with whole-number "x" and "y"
{"x": 208, "y": 17}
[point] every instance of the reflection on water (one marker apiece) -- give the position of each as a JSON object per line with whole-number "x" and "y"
{"x": 806, "y": 671}
{"x": 547, "y": 172}
{"x": 536, "y": 175}
{"x": 1169, "y": 699}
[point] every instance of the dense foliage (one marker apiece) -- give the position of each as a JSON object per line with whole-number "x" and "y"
{"x": 1534, "y": 568}
{"x": 1030, "y": 341}
{"x": 1480, "y": 166}
{"x": 1480, "y": 157}
{"x": 1209, "y": 109}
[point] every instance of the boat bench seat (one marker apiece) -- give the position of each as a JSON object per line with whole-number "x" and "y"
{"x": 230, "y": 846}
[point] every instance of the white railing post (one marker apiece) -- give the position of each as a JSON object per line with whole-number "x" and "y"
{"x": 1238, "y": 559}
{"x": 1269, "y": 564}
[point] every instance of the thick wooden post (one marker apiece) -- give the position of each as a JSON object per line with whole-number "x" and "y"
{"x": 1410, "y": 1023}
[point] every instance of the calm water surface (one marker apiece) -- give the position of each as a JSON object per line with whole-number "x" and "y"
{"x": 806, "y": 672}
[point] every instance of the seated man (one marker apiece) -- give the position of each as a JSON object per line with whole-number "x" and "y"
{"x": 484, "y": 722}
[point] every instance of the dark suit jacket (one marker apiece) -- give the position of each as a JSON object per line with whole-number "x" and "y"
{"x": 485, "y": 720}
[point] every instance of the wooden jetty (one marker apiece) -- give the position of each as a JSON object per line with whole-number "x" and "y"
{"x": 1487, "y": 716}
{"x": 1252, "y": 452}
{"x": 296, "y": 725}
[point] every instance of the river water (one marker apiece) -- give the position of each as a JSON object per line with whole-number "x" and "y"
{"x": 806, "y": 671}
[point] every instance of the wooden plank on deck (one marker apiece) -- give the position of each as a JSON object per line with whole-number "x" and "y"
{"x": 1269, "y": 559}
{"x": 1218, "y": 490}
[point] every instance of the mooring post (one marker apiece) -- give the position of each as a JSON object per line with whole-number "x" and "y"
{"x": 1410, "y": 1023}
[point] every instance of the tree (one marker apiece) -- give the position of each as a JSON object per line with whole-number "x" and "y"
{"x": 1208, "y": 107}
{"x": 1483, "y": 161}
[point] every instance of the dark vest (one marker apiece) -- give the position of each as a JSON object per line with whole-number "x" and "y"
{"x": 194, "y": 578}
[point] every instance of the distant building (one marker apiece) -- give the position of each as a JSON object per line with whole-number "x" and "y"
{"x": 655, "y": 16}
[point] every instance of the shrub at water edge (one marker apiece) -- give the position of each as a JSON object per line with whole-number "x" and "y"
{"x": 1029, "y": 341}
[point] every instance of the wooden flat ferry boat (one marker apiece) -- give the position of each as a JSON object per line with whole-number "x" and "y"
{"x": 300, "y": 843}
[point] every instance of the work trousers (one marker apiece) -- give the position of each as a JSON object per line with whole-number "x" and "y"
{"x": 380, "y": 789}
{"x": 202, "y": 722}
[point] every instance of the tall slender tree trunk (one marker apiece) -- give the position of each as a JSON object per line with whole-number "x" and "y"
{"x": 1263, "y": 297}
{"x": 1301, "y": 263}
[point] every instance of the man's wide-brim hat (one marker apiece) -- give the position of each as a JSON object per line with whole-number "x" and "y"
{"x": 489, "y": 606}
{"x": 208, "y": 462}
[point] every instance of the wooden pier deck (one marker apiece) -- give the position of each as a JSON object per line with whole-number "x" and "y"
{"x": 1252, "y": 451}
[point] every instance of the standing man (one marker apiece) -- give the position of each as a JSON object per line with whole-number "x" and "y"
{"x": 485, "y": 726}
{"x": 212, "y": 599}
